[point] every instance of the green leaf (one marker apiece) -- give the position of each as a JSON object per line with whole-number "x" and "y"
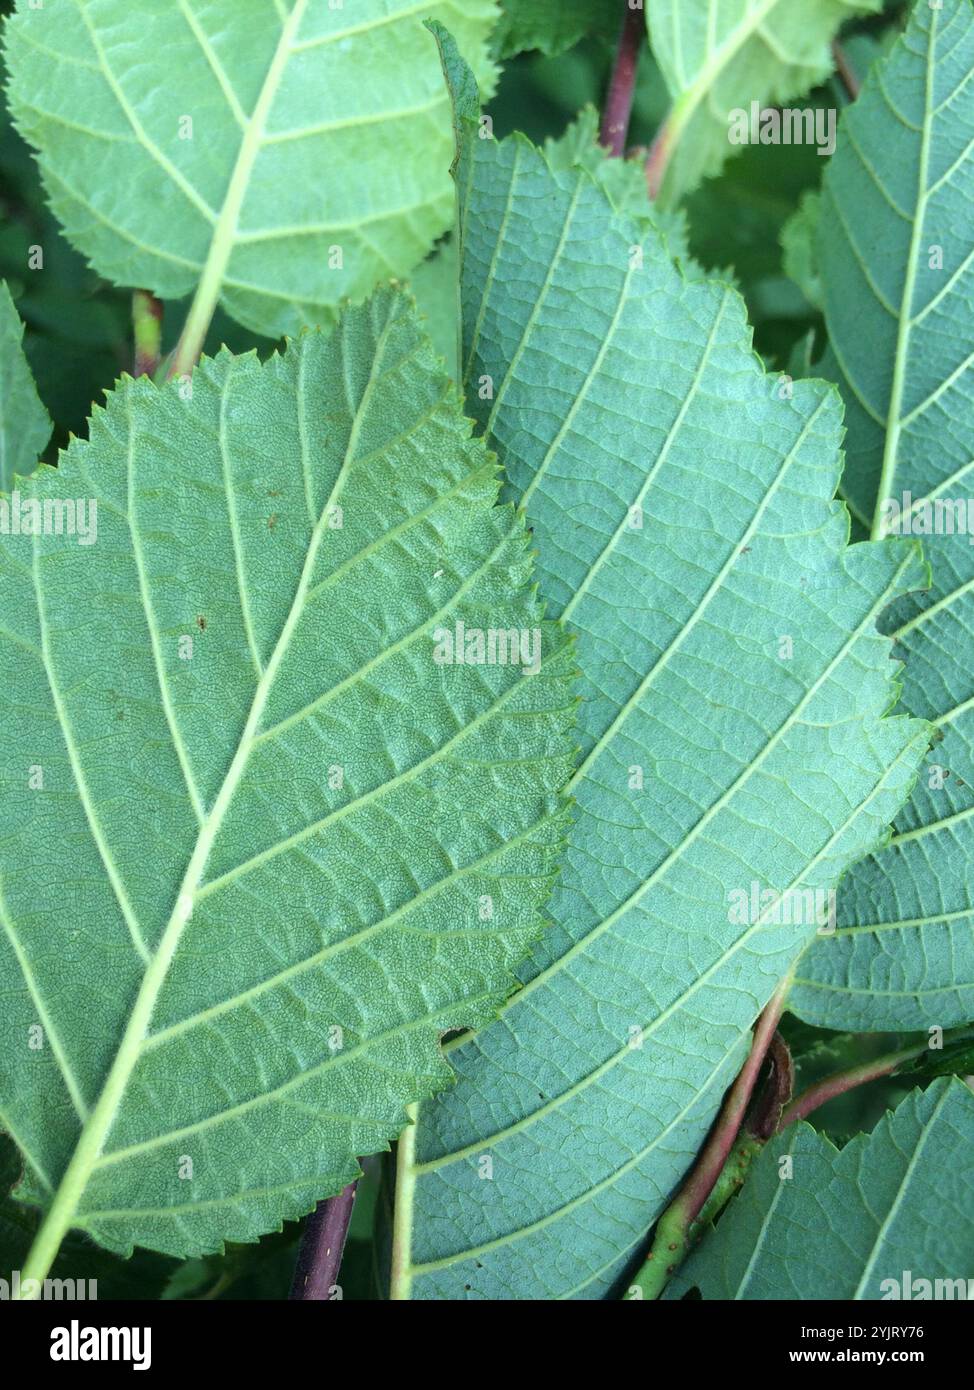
{"x": 896, "y": 253}
{"x": 798, "y": 240}
{"x": 245, "y": 146}
{"x": 434, "y": 284}
{"x": 607, "y": 382}
{"x": 718, "y": 56}
{"x": 622, "y": 180}
{"x": 292, "y": 847}
{"x": 955, "y": 1058}
{"x": 24, "y": 424}
{"x": 553, "y": 25}
{"x": 871, "y": 1221}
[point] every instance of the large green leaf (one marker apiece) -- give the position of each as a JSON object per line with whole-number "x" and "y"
{"x": 24, "y": 424}
{"x": 236, "y": 142}
{"x": 721, "y": 55}
{"x": 891, "y": 1209}
{"x": 260, "y": 848}
{"x": 617, "y": 392}
{"x": 896, "y": 256}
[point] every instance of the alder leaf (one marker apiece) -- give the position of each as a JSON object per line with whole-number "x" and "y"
{"x": 896, "y": 256}
{"x": 682, "y": 507}
{"x": 234, "y": 144}
{"x": 622, "y": 180}
{"x": 260, "y": 848}
{"x": 24, "y": 424}
{"x": 553, "y": 25}
{"x": 873, "y": 1220}
{"x": 718, "y": 56}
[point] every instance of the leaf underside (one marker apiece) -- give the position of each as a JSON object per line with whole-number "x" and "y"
{"x": 613, "y": 388}
{"x": 277, "y": 817}
{"x": 900, "y": 317}
{"x": 717, "y": 56}
{"x": 290, "y": 159}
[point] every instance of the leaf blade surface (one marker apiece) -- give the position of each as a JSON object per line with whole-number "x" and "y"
{"x": 235, "y": 144}
{"x": 609, "y": 383}
{"x": 278, "y": 817}
{"x": 720, "y": 56}
{"x": 24, "y": 424}
{"x": 896, "y": 249}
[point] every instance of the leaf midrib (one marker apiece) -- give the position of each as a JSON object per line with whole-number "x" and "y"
{"x": 894, "y": 419}
{"x": 718, "y": 59}
{"x": 226, "y": 227}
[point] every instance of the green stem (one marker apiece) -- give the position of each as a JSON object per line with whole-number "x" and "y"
{"x": 147, "y": 325}
{"x": 679, "y": 1227}
{"x": 401, "y": 1274}
{"x": 730, "y": 1181}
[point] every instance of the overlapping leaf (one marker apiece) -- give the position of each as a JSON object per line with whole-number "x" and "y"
{"x": 682, "y": 507}
{"x": 259, "y": 848}
{"x": 720, "y": 55}
{"x": 235, "y": 142}
{"x": 896, "y": 255}
{"x": 887, "y": 1217}
{"x": 553, "y": 27}
{"x": 24, "y": 424}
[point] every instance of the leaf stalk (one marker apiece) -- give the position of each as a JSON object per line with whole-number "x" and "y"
{"x": 147, "y": 326}
{"x": 674, "y": 1231}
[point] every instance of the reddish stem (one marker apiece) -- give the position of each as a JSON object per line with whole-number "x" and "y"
{"x": 658, "y": 159}
{"x": 622, "y": 85}
{"x": 674, "y": 1230}
{"x": 845, "y": 70}
{"x": 843, "y": 1081}
{"x": 715, "y": 1153}
{"x": 322, "y": 1247}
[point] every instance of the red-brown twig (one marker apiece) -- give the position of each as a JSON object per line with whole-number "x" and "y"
{"x": 322, "y": 1247}
{"x": 673, "y": 1231}
{"x": 622, "y": 84}
{"x": 845, "y": 70}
